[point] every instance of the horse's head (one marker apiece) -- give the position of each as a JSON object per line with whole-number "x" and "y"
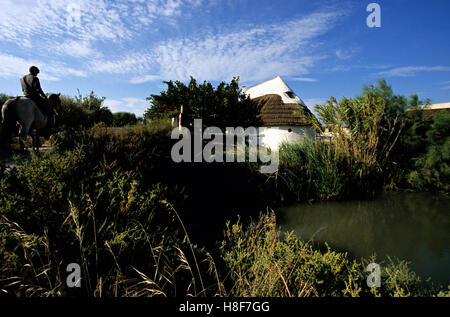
{"x": 55, "y": 103}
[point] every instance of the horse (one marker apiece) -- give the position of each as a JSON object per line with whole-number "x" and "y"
{"x": 25, "y": 111}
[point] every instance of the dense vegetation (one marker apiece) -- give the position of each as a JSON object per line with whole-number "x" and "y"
{"x": 380, "y": 141}
{"x": 85, "y": 111}
{"x": 223, "y": 106}
{"x": 141, "y": 225}
{"x": 109, "y": 202}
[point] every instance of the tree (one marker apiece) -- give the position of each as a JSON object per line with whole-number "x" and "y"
{"x": 94, "y": 105}
{"x": 83, "y": 112}
{"x": 432, "y": 167}
{"x": 124, "y": 118}
{"x": 224, "y": 106}
{"x": 365, "y": 128}
{"x": 72, "y": 115}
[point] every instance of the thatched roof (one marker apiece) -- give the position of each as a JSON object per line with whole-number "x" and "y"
{"x": 430, "y": 111}
{"x": 273, "y": 112}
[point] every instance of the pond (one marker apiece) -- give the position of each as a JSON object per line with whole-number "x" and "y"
{"x": 410, "y": 226}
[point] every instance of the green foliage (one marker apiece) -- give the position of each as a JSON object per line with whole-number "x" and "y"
{"x": 3, "y": 98}
{"x": 66, "y": 208}
{"x": 72, "y": 115}
{"x": 94, "y": 106}
{"x": 309, "y": 170}
{"x": 142, "y": 148}
{"x": 365, "y": 130}
{"x": 107, "y": 198}
{"x": 121, "y": 119}
{"x": 431, "y": 166}
{"x": 382, "y": 139}
{"x": 224, "y": 106}
{"x": 264, "y": 262}
{"x": 83, "y": 112}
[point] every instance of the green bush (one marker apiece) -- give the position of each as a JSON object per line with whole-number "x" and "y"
{"x": 72, "y": 115}
{"x": 65, "y": 207}
{"x": 122, "y": 119}
{"x": 262, "y": 261}
{"x": 309, "y": 170}
{"x": 432, "y": 167}
{"x": 107, "y": 198}
{"x": 223, "y": 106}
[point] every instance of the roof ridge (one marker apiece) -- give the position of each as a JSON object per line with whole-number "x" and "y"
{"x": 267, "y": 82}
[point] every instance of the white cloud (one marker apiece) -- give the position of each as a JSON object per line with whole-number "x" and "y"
{"x": 13, "y": 66}
{"x": 344, "y": 54}
{"x": 46, "y": 22}
{"x": 77, "y": 49}
{"x": 129, "y": 104}
{"x": 304, "y": 79}
{"x": 411, "y": 71}
{"x": 311, "y": 102}
{"x": 144, "y": 79}
{"x": 131, "y": 63}
{"x": 254, "y": 54}
{"x": 446, "y": 83}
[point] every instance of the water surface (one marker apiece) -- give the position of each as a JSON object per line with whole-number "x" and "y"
{"x": 410, "y": 226}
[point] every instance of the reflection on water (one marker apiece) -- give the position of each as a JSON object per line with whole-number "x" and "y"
{"x": 410, "y": 226}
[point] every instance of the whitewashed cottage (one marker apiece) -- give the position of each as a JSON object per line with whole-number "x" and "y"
{"x": 284, "y": 116}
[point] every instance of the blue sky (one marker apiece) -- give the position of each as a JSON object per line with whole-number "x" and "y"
{"x": 124, "y": 49}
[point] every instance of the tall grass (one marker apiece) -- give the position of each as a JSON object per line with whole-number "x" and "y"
{"x": 365, "y": 131}
{"x": 117, "y": 205}
{"x": 63, "y": 208}
{"x": 310, "y": 170}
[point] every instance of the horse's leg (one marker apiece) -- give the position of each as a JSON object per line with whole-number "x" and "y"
{"x": 3, "y": 138}
{"x": 35, "y": 142}
{"x": 23, "y": 133}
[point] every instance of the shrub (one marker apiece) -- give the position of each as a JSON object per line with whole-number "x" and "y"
{"x": 365, "y": 131}
{"x": 432, "y": 167}
{"x": 72, "y": 115}
{"x": 58, "y": 210}
{"x": 262, "y": 261}
{"x": 121, "y": 119}
{"x": 309, "y": 170}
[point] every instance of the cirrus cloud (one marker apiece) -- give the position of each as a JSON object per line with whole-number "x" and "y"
{"x": 254, "y": 53}
{"x": 411, "y": 71}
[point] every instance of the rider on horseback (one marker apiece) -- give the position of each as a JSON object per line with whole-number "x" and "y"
{"x": 31, "y": 88}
